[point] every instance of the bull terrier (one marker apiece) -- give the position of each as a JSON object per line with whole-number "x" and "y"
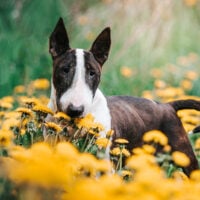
{"x": 74, "y": 91}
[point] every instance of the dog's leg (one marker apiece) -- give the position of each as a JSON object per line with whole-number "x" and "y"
{"x": 179, "y": 141}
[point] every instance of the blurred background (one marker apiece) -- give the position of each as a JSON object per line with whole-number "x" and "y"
{"x": 151, "y": 39}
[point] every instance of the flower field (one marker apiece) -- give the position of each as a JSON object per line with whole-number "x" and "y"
{"x": 65, "y": 158}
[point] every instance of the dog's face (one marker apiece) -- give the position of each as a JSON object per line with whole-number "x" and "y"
{"x": 76, "y": 72}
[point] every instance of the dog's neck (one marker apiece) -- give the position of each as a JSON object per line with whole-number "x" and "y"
{"x": 99, "y": 109}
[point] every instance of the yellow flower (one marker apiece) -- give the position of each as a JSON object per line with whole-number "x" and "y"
{"x": 19, "y": 89}
{"x": 2, "y": 114}
{"x": 126, "y": 71}
{"x": 149, "y": 149}
{"x": 156, "y": 72}
{"x": 25, "y": 111}
{"x": 195, "y": 175}
{"x": 186, "y": 84}
{"x": 41, "y": 84}
{"x": 12, "y": 114}
{"x": 167, "y": 148}
{"x": 5, "y": 105}
{"x": 83, "y": 20}
{"x": 103, "y": 142}
{"x": 138, "y": 151}
{"x": 29, "y": 101}
{"x": 155, "y": 136}
{"x": 141, "y": 161}
{"x": 178, "y": 175}
{"x": 41, "y": 166}
{"x": 121, "y": 141}
{"x": 5, "y": 138}
{"x": 42, "y": 109}
{"x": 169, "y": 92}
{"x": 191, "y": 75}
{"x": 110, "y": 133}
{"x": 147, "y": 94}
{"x": 126, "y": 173}
{"x": 53, "y": 126}
{"x": 190, "y": 2}
{"x": 88, "y": 123}
{"x": 117, "y": 151}
{"x": 61, "y": 115}
{"x": 180, "y": 159}
{"x": 8, "y": 99}
{"x": 159, "y": 84}
{"x": 10, "y": 123}
{"x": 197, "y": 144}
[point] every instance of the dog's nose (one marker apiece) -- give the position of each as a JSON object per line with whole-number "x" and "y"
{"x": 74, "y": 111}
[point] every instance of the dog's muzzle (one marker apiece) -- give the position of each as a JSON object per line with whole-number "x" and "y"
{"x": 74, "y": 111}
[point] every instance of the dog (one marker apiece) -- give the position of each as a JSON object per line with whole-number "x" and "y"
{"x": 74, "y": 91}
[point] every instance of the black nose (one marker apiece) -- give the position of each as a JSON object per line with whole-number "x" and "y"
{"x": 74, "y": 111}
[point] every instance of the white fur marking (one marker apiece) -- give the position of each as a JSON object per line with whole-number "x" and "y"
{"x": 79, "y": 94}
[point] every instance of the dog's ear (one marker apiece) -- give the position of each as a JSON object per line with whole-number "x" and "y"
{"x": 101, "y": 46}
{"x": 58, "y": 41}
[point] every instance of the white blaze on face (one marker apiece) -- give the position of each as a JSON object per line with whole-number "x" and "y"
{"x": 79, "y": 94}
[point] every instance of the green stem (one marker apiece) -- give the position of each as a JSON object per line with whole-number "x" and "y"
{"x": 120, "y": 160}
{"x": 85, "y": 142}
{"x": 90, "y": 144}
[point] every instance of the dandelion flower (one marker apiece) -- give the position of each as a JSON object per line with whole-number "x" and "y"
{"x": 42, "y": 109}
{"x": 103, "y": 142}
{"x": 126, "y": 71}
{"x": 191, "y": 75}
{"x": 53, "y": 126}
{"x": 8, "y": 99}
{"x": 2, "y": 114}
{"x": 190, "y": 2}
{"x": 29, "y": 101}
{"x": 149, "y": 149}
{"x": 180, "y": 159}
{"x": 40, "y": 84}
{"x": 5, "y": 105}
{"x": 195, "y": 175}
{"x": 186, "y": 84}
{"x": 121, "y": 141}
{"x": 25, "y": 111}
{"x": 110, "y": 133}
{"x": 5, "y": 138}
{"x": 159, "y": 84}
{"x": 88, "y": 122}
{"x": 61, "y": 115}
{"x": 197, "y": 144}
{"x": 117, "y": 151}
{"x": 10, "y": 123}
{"x": 19, "y": 89}
{"x": 155, "y": 136}
{"x": 125, "y": 173}
{"x": 178, "y": 175}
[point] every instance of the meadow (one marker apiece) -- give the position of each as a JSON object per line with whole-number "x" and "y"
{"x": 155, "y": 54}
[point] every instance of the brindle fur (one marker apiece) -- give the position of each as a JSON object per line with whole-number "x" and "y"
{"x": 131, "y": 117}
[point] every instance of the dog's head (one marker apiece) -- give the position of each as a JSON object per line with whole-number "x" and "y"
{"x": 76, "y": 72}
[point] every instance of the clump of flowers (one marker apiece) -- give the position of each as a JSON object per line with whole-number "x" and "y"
{"x": 47, "y": 155}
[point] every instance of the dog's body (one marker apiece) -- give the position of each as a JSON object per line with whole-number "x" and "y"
{"x": 76, "y": 76}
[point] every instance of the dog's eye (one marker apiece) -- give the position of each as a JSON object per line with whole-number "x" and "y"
{"x": 66, "y": 70}
{"x": 92, "y": 74}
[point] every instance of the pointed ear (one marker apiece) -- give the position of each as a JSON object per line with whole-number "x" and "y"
{"x": 101, "y": 46}
{"x": 58, "y": 41}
